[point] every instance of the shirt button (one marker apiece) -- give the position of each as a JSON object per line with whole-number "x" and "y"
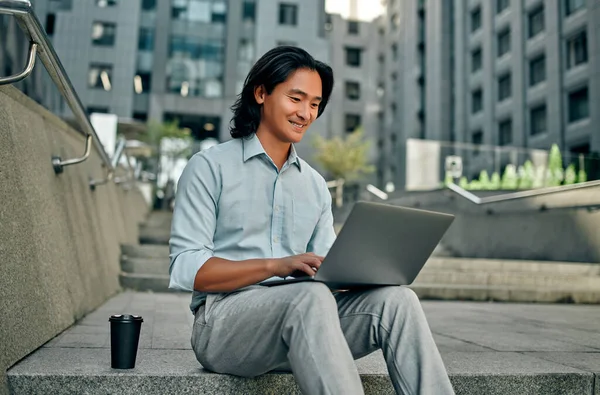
{"x": 276, "y": 239}
{"x": 276, "y": 209}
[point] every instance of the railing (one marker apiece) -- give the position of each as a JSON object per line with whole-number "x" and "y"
{"x": 519, "y": 195}
{"x": 41, "y": 46}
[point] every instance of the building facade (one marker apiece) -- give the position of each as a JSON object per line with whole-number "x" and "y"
{"x": 179, "y": 59}
{"x": 14, "y": 50}
{"x": 358, "y": 91}
{"x": 518, "y": 73}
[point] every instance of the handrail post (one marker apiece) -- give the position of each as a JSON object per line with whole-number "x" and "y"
{"x": 41, "y": 45}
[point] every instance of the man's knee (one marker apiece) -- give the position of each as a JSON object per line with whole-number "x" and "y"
{"x": 398, "y": 297}
{"x": 314, "y": 296}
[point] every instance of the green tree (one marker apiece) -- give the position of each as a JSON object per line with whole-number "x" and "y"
{"x": 344, "y": 158}
{"x": 509, "y": 178}
{"x": 484, "y": 180}
{"x": 555, "y": 174}
{"x": 570, "y": 175}
{"x": 495, "y": 181}
{"x": 527, "y": 176}
{"x": 157, "y": 132}
{"x": 463, "y": 183}
{"x": 581, "y": 175}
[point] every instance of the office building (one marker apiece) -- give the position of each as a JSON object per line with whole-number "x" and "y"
{"x": 178, "y": 59}
{"x": 496, "y": 72}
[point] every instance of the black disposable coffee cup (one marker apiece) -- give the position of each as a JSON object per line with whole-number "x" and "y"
{"x": 124, "y": 338}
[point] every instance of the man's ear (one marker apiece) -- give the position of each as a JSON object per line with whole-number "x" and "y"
{"x": 259, "y": 94}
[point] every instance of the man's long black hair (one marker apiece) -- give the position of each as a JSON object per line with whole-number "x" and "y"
{"x": 272, "y": 69}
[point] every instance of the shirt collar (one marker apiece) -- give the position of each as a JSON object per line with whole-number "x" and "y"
{"x": 252, "y": 147}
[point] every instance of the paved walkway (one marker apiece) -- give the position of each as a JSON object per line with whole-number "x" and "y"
{"x": 490, "y": 348}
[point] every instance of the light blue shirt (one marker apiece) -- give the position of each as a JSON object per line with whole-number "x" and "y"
{"x": 233, "y": 203}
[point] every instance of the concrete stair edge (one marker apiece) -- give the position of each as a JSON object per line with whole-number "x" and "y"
{"x": 145, "y": 250}
{"x": 176, "y": 371}
{"x": 455, "y": 263}
{"x": 145, "y": 282}
{"x": 505, "y": 293}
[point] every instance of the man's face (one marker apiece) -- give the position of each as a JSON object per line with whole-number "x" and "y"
{"x": 292, "y": 106}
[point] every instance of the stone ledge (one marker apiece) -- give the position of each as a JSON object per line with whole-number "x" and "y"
{"x": 87, "y": 370}
{"x": 505, "y": 293}
{"x": 145, "y": 251}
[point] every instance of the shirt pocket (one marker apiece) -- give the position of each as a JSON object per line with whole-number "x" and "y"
{"x": 306, "y": 217}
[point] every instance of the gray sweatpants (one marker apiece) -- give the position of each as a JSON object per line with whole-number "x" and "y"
{"x": 316, "y": 334}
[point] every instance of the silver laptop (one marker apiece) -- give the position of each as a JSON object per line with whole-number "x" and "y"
{"x": 379, "y": 245}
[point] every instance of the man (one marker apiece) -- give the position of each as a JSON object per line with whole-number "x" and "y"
{"x": 249, "y": 210}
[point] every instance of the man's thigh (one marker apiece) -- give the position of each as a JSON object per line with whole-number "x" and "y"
{"x": 361, "y": 314}
{"x": 240, "y": 333}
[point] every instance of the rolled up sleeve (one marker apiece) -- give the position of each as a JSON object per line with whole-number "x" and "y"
{"x": 324, "y": 234}
{"x": 194, "y": 221}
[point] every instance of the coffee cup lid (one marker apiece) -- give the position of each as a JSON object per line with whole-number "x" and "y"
{"x": 125, "y": 318}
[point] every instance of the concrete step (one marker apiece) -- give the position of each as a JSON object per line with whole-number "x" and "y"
{"x": 145, "y": 251}
{"x": 506, "y": 265}
{"x": 508, "y": 278}
{"x": 502, "y": 293}
{"x": 155, "y": 266}
{"x": 154, "y": 235}
{"x": 158, "y": 372}
{"x": 159, "y": 219}
{"x": 487, "y": 348}
{"x": 145, "y": 282}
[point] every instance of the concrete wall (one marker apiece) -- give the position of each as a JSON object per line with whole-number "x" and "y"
{"x": 520, "y": 229}
{"x": 59, "y": 241}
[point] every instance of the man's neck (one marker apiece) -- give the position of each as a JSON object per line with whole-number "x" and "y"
{"x": 277, "y": 150}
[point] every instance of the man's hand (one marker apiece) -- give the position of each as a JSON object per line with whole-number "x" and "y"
{"x": 307, "y": 264}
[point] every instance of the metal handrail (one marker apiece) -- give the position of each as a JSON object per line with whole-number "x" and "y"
{"x": 519, "y": 195}
{"x": 40, "y": 44}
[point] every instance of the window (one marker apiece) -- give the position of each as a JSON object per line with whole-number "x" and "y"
{"x": 218, "y": 12}
{"x": 537, "y": 70}
{"x": 140, "y": 116}
{"x": 504, "y": 87}
{"x": 353, "y": 27}
{"x": 503, "y": 42}
{"x": 475, "y": 19}
{"x": 536, "y": 22}
{"x": 477, "y": 139}
{"x": 352, "y": 90}
{"x": 538, "y": 120}
{"x": 199, "y": 11}
{"x": 476, "y": 101}
{"x": 394, "y": 51}
{"x": 287, "y": 43}
{"x": 50, "y": 21}
{"x": 106, "y": 3}
{"x": 395, "y": 21}
{"x": 288, "y": 14}
{"x": 505, "y": 132}
{"x": 577, "y": 50}
{"x": 476, "y": 60}
{"x": 195, "y": 66}
{"x": 353, "y": 56}
{"x": 579, "y": 106}
{"x": 148, "y": 5}
{"x": 142, "y": 82}
{"x": 572, "y": 6}
{"x": 97, "y": 110}
{"x": 103, "y": 34}
{"x": 501, "y": 5}
{"x": 352, "y": 122}
{"x": 100, "y": 76}
{"x": 146, "y": 39}
{"x": 249, "y": 11}
{"x": 328, "y": 23}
